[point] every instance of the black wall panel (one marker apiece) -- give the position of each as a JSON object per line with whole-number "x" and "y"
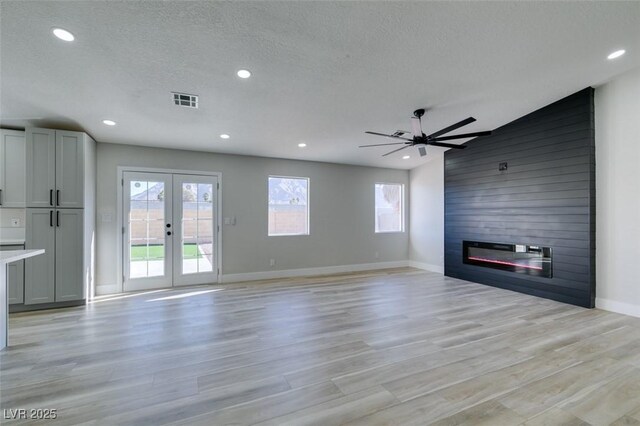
{"x": 545, "y": 197}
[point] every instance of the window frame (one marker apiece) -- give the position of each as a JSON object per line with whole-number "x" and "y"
{"x": 402, "y": 209}
{"x": 308, "y": 179}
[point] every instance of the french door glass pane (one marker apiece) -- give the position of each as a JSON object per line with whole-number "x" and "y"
{"x": 197, "y": 228}
{"x": 146, "y": 225}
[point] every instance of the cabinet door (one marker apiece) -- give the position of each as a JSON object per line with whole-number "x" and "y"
{"x": 69, "y": 169}
{"x": 39, "y": 276}
{"x": 41, "y": 167}
{"x": 15, "y": 277}
{"x": 15, "y": 281}
{"x": 12, "y": 169}
{"x": 69, "y": 255}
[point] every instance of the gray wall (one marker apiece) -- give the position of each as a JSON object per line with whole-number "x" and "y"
{"x": 341, "y": 210}
{"x": 618, "y": 186}
{"x": 426, "y": 238}
{"x": 546, "y": 197}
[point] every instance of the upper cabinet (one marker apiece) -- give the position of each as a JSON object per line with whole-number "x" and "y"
{"x": 56, "y": 168}
{"x": 12, "y": 168}
{"x": 41, "y": 167}
{"x": 70, "y": 169}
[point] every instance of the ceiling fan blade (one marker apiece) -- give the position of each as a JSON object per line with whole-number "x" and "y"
{"x": 396, "y": 150}
{"x": 416, "y": 126}
{"x": 422, "y": 150}
{"x": 388, "y": 136}
{"x": 447, "y": 145}
{"x": 452, "y": 127}
{"x": 463, "y": 136}
{"x": 383, "y": 144}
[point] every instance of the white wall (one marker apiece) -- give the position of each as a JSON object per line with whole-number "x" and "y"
{"x": 426, "y": 244}
{"x": 617, "y": 116}
{"x": 341, "y": 216}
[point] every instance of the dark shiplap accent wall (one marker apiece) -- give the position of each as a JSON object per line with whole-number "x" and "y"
{"x": 546, "y": 197}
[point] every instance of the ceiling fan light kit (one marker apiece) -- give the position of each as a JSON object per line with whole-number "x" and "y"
{"x": 419, "y": 138}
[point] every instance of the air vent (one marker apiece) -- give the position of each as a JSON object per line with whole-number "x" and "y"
{"x": 185, "y": 100}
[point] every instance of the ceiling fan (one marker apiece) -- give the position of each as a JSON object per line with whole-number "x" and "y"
{"x": 420, "y": 138}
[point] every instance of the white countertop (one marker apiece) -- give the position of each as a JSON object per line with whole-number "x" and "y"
{"x": 13, "y": 255}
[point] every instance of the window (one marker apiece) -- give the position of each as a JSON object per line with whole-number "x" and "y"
{"x": 288, "y": 206}
{"x": 389, "y": 207}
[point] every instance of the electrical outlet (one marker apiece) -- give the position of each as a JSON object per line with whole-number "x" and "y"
{"x": 15, "y": 222}
{"x": 272, "y": 262}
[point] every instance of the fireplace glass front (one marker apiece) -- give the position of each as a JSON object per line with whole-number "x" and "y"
{"x": 519, "y": 258}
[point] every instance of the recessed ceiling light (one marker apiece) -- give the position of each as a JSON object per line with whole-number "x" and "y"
{"x": 302, "y": 145}
{"x": 616, "y": 54}
{"x": 224, "y": 136}
{"x": 406, "y": 157}
{"x": 244, "y": 73}
{"x": 109, "y": 122}
{"x": 63, "y": 34}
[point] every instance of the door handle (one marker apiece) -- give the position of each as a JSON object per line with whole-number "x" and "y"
{"x": 58, "y": 218}
{"x": 57, "y": 197}
{"x": 50, "y": 217}
{"x": 51, "y": 197}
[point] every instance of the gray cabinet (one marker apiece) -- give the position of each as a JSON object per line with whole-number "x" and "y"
{"x": 57, "y": 275}
{"x": 40, "y": 270}
{"x": 69, "y": 256}
{"x": 15, "y": 277}
{"x": 12, "y": 168}
{"x": 69, "y": 169}
{"x": 41, "y": 167}
{"x": 55, "y": 168}
{"x": 60, "y": 200}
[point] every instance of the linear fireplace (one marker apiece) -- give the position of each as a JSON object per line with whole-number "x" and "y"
{"x": 520, "y": 258}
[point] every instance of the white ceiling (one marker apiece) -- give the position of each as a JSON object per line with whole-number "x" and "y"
{"x": 323, "y": 72}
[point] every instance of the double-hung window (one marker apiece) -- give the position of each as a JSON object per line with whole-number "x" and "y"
{"x": 389, "y": 207}
{"x": 288, "y": 205}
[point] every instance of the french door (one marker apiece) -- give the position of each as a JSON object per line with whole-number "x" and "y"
{"x": 170, "y": 230}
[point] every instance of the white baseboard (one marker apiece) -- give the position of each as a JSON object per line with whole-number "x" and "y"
{"x": 618, "y": 307}
{"x": 325, "y": 270}
{"x": 102, "y": 290}
{"x": 426, "y": 266}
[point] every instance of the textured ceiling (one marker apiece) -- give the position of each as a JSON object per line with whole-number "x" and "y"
{"x": 323, "y": 72}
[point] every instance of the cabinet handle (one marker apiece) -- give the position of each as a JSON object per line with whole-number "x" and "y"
{"x": 50, "y": 217}
{"x": 0, "y": 197}
{"x": 51, "y": 197}
{"x": 58, "y": 218}
{"x": 57, "y": 197}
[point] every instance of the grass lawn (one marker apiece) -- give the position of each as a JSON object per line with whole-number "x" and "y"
{"x": 190, "y": 251}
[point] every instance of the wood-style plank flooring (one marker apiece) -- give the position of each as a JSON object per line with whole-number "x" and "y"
{"x": 391, "y": 347}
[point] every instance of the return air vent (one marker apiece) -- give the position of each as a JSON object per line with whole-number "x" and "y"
{"x": 185, "y": 100}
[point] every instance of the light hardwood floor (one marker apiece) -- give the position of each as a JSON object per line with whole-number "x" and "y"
{"x": 389, "y": 347}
